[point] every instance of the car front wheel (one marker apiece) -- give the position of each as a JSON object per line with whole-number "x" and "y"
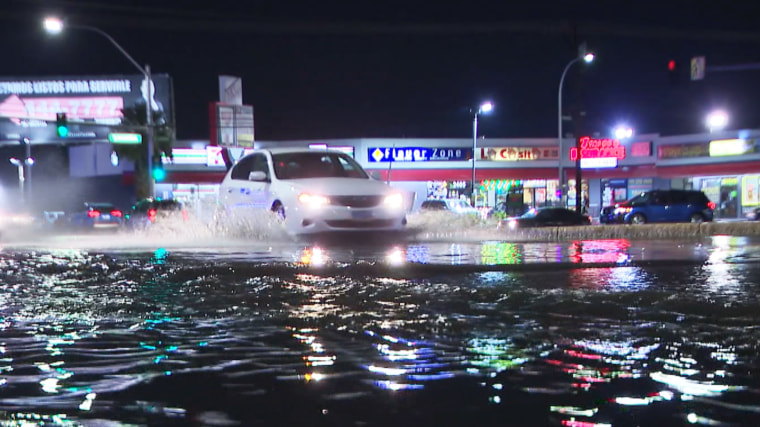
{"x": 638, "y": 219}
{"x": 279, "y": 211}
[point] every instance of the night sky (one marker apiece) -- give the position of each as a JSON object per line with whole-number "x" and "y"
{"x": 410, "y": 69}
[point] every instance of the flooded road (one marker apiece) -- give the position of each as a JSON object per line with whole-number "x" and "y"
{"x": 136, "y": 330}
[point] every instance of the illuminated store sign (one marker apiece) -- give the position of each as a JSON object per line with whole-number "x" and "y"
{"x": 512, "y": 154}
{"x": 641, "y": 149}
{"x": 417, "y": 154}
{"x": 599, "y": 162}
{"x": 731, "y": 147}
{"x": 592, "y": 148}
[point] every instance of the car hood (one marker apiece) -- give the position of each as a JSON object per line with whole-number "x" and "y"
{"x": 339, "y": 186}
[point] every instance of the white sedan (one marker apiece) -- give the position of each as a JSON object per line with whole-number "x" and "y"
{"x": 312, "y": 191}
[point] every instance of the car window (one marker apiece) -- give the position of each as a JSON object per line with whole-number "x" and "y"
{"x": 260, "y": 164}
{"x": 433, "y": 205}
{"x": 530, "y": 214}
{"x": 242, "y": 169}
{"x": 317, "y": 164}
{"x": 697, "y": 197}
{"x": 641, "y": 199}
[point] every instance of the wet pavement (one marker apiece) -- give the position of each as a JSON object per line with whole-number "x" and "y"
{"x": 258, "y": 329}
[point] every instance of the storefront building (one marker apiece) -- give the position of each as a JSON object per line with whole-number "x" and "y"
{"x": 522, "y": 172}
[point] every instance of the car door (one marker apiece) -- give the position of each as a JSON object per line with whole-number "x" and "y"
{"x": 657, "y": 205}
{"x": 677, "y": 207}
{"x": 259, "y": 195}
{"x": 236, "y": 191}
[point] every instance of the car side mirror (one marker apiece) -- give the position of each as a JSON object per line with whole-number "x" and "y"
{"x": 376, "y": 175}
{"x": 257, "y": 176}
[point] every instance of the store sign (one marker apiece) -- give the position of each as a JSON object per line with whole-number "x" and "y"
{"x": 641, "y": 149}
{"x": 731, "y": 147}
{"x": 599, "y": 162}
{"x": 417, "y": 154}
{"x": 592, "y": 148}
{"x": 513, "y": 154}
{"x": 680, "y": 151}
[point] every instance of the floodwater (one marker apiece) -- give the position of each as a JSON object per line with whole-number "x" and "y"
{"x": 184, "y": 329}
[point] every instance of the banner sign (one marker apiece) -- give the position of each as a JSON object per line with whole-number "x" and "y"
{"x": 513, "y": 154}
{"x": 680, "y": 151}
{"x": 93, "y": 105}
{"x": 418, "y": 154}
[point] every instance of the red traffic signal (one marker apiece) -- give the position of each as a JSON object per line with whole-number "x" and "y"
{"x": 671, "y": 65}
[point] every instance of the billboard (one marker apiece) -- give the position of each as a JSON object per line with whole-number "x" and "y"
{"x": 93, "y": 105}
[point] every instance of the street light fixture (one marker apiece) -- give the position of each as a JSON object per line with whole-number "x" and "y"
{"x": 717, "y": 120}
{"x": 484, "y": 108}
{"x": 623, "y": 132}
{"x": 587, "y": 57}
{"x": 54, "y": 25}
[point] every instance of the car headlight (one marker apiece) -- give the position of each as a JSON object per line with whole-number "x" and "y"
{"x": 512, "y": 224}
{"x": 313, "y": 200}
{"x": 394, "y": 200}
{"x": 622, "y": 211}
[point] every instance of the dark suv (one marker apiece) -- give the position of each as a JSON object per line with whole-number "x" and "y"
{"x": 660, "y": 206}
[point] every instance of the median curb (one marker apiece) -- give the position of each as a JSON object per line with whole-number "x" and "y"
{"x": 634, "y": 232}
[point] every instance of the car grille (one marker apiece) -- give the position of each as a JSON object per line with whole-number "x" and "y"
{"x": 350, "y": 223}
{"x": 356, "y": 201}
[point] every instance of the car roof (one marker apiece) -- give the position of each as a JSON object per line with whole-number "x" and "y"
{"x": 290, "y": 150}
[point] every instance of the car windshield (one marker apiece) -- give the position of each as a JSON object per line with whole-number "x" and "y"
{"x": 100, "y": 206}
{"x": 459, "y": 205}
{"x": 316, "y": 164}
{"x": 530, "y": 214}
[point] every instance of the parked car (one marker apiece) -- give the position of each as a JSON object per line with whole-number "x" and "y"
{"x": 548, "y": 217}
{"x": 311, "y": 191}
{"x": 457, "y": 206}
{"x": 660, "y": 206}
{"x": 96, "y": 215}
{"x": 147, "y": 212}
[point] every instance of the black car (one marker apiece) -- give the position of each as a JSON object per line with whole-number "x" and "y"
{"x": 146, "y": 212}
{"x": 660, "y": 206}
{"x": 548, "y": 217}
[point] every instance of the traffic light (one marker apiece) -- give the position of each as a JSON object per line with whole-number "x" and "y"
{"x": 674, "y": 71}
{"x": 158, "y": 171}
{"x": 61, "y": 125}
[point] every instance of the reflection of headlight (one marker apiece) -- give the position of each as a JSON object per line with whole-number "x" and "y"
{"x": 621, "y": 211}
{"x": 313, "y": 200}
{"x": 512, "y": 224}
{"x": 394, "y": 200}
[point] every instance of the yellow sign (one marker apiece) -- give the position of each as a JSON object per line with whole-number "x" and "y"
{"x": 750, "y": 190}
{"x": 730, "y": 147}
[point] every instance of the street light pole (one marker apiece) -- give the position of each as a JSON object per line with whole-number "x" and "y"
{"x": 485, "y": 107}
{"x": 54, "y": 26}
{"x": 474, "y": 149}
{"x": 588, "y": 57}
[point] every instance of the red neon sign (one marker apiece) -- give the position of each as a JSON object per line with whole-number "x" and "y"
{"x": 597, "y": 148}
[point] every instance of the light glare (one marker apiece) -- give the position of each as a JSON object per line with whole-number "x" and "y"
{"x": 486, "y": 107}
{"x": 717, "y": 120}
{"x": 588, "y": 57}
{"x": 53, "y": 25}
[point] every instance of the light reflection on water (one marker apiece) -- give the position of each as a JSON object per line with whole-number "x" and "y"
{"x": 338, "y": 336}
